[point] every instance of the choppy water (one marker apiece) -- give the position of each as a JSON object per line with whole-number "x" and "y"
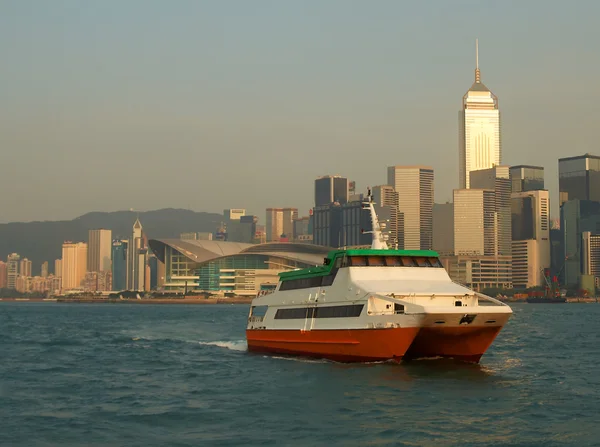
{"x": 135, "y": 375}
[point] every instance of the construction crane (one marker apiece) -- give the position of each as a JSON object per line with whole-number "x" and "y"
{"x": 553, "y": 289}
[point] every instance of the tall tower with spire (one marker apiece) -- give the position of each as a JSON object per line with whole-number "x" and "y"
{"x": 479, "y": 129}
{"x": 137, "y": 259}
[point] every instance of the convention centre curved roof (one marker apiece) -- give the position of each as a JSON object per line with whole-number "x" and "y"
{"x": 201, "y": 251}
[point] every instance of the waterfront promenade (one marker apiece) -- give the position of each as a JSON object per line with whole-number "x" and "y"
{"x": 94, "y": 300}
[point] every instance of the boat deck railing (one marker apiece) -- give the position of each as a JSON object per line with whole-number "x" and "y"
{"x": 254, "y": 319}
{"x": 386, "y": 312}
{"x": 485, "y": 300}
{"x": 264, "y": 292}
{"x": 482, "y": 300}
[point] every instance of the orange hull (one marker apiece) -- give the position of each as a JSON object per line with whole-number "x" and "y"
{"x": 463, "y": 343}
{"x": 344, "y": 345}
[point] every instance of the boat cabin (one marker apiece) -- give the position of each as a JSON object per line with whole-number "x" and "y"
{"x": 325, "y": 274}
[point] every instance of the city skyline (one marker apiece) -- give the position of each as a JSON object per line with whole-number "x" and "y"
{"x": 256, "y": 101}
{"x": 498, "y": 227}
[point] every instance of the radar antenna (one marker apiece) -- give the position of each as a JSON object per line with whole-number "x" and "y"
{"x": 378, "y": 240}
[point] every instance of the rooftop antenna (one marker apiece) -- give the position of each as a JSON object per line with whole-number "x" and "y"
{"x": 378, "y": 239}
{"x": 477, "y": 72}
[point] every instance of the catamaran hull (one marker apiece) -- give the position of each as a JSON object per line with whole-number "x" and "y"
{"x": 461, "y": 343}
{"x": 344, "y": 345}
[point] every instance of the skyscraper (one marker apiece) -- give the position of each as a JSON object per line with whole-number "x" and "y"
{"x": 232, "y": 221}
{"x": 233, "y": 214}
{"x": 44, "y": 270}
{"x": 3, "y": 276}
{"x": 274, "y": 224}
{"x": 242, "y": 230}
{"x": 99, "y": 250}
{"x": 58, "y": 268}
{"x": 530, "y": 237}
{"x": 576, "y": 217}
{"x": 25, "y": 267}
{"x": 327, "y": 225}
{"x": 591, "y": 255}
{"x": 579, "y": 178}
{"x": 137, "y": 259}
{"x": 479, "y": 129}
{"x": 289, "y": 214}
{"x": 474, "y": 222}
{"x": 498, "y": 180}
{"x": 443, "y": 228}
{"x": 12, "y": 270}
{"x": 355, "y": 219}
{"x": 526, "y": 178}
{"x": 302, "y": 229}
{"x": 476, "y": 262}
{"x": 119, "y": 264}
{"x": 414, "y": 185}
{"x": 331, "y": 189}
{"x": 336, "y": 225}
{"x": 74, "y": 264}
{"x": 152, "y": 275}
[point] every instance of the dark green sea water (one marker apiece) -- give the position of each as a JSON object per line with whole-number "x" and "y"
{"x": 143, "y": 375}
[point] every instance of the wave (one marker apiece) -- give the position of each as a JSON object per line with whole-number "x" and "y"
{"x": 233, "y": 345}
{"x": 298, "y": 359}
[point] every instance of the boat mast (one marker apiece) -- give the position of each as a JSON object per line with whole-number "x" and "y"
{"x": 378, "y": 239}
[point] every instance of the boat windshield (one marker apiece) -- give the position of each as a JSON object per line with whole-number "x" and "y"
{"x": 392, "y": 261}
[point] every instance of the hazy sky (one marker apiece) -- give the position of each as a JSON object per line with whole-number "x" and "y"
{"x": 111, "y": 105}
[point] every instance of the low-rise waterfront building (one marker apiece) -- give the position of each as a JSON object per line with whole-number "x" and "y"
{"x": 228, "y": 267}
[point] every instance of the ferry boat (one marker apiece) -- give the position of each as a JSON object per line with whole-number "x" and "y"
{"x": 375, "y": 304}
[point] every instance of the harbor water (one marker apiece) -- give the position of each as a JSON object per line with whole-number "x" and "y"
{"x": 177, "y": 375}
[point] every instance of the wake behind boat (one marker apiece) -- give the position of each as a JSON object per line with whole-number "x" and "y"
{"x": 372, "y": 305}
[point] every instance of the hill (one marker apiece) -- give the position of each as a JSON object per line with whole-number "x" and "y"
{"x": 42, "y": 241}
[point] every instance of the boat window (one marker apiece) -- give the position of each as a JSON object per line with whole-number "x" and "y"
{"x": 398, "y": 308}
{"x": 258, "y": 311}
{"x": 407, "y": 261}
{"x": 328, "y": 279}
{"x": 389, "y": 261}
{"x": 435, "y": 262}
{"x": 376, "y": 261}
{"x": 339, "y": 311}
{"x": 358, "y": 261}
{"x": 294, "y": 314}
{"x": 422, "y": 262}
{"x": 301, "y": 283}
{"x": 307, "y": 283}
{"x": 338, "y": 263}
{"x": 393, "y": 261}
{"x": 353, "y": 310}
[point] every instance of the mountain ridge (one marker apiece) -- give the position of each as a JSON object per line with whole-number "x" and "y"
{"x": 42, "y": 241}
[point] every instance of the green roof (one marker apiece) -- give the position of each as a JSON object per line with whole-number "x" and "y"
{"x": 323, "y": 270}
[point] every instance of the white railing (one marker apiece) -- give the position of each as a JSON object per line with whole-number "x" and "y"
{"x": 256, "y": 319}
{"x": 484, "y": 300}
{"x": 264, "y": 292}
{"x": 488, "y": 299}
{"x": 385, "y": 312}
